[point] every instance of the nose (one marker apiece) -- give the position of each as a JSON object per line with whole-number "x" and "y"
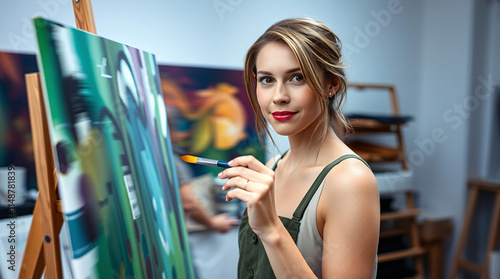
{"x": 280, "y": 94}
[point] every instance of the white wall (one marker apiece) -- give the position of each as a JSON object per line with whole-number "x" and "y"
{"x": 425, "y": 48}
{"x": 446, "y": 80}
{"x": 377, "y": 35}
{"x": 460, "y": 45}
{"x": 484, "y": 122}
{"x": 377, "y": 48}
{"x": 483, "y": 139}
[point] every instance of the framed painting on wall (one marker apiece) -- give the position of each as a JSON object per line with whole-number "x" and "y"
{"x": 214, "y": 115}
{"x": 16, "y": 147}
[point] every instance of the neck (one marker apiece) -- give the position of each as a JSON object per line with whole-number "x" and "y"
{"x": 305, "y": 152}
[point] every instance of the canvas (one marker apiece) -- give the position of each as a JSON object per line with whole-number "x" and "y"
{"x": 117, "y": 181}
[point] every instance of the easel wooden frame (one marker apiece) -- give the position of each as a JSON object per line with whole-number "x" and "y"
{"x": 460, "y": 263}
{"x": 42, "y": 251}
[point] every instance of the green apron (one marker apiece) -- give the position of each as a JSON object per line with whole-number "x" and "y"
{"x": 253, "y": 261}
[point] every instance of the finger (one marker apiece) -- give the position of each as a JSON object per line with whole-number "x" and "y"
{"x": 240, "y": 194}
{"x": 250, "y": 162}
{"x": 249, "y": 174}
{"x": 235, "y": 182}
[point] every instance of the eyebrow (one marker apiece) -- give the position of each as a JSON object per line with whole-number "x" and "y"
{"x": 287, "y": 72}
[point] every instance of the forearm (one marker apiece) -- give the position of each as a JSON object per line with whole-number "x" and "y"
{"x": 196, "y": 213}
{"x": 284, "y": 255}
{"x": 193, "y": 209}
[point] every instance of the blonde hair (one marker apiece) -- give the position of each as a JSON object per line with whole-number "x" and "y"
{"x": 316, "y": 48}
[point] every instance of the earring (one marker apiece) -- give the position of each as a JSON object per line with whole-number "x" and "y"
{"x": 330, "y": 94}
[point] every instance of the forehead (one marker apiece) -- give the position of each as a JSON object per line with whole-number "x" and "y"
{"x": 275, "y": 56}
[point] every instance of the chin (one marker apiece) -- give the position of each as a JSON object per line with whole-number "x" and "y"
{"x": 284, "y": 132}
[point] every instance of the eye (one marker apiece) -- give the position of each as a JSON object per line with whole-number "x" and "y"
{"x": 297, "y": 78}
{"x": 265, "y": 80}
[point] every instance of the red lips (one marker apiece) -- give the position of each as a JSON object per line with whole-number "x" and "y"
{"x": 283, "y": 115}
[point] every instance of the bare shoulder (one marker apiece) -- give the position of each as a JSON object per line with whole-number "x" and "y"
{"x": 351, "y": 176}
{"x": 349, "y": 187}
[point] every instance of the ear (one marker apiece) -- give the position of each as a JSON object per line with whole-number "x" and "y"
{"x": 332, "y": 86}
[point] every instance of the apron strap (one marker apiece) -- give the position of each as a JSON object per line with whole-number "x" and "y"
{"x": 276, "y": 162}
{"x": 299, "y": 212}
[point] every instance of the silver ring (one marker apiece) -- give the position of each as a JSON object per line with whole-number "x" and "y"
{"x": 246, "y": 183}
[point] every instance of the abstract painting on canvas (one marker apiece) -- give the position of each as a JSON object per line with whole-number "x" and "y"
{"x": 116, "y": 176}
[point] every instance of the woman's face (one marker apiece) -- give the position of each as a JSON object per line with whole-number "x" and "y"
{"x": 285, "y": 99}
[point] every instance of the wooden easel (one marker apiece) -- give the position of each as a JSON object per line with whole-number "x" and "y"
{"x": 42, "y": 251}
{"x": 459, "y": 260}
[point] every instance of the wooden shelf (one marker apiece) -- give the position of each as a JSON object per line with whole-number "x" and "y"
{"x": 401, "y": 254}
{"x": 394, "y": 232}
{"x": 410, "y": 213}
{"x": 374, "y": 123}
{"x": 368, "y": 126}
{"x": 470, "y": 266}
{"x": 373, "y": 153}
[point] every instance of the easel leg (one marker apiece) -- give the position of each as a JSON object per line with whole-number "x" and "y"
{"x": 43, "y": 248}
{"x": 471, "y": 205}
{"x": 33, "y": 260}
{"x": 495, "y": 223}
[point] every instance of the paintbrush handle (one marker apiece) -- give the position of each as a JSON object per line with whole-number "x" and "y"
{"x": 211, "y": 162}
{"x": 223, "y": 164}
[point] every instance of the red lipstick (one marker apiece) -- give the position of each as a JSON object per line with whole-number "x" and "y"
{"x": 283, "y": 115}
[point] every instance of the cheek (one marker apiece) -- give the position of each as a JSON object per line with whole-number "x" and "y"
{"x": 310, "y": 99}
{"x": 261, "y": 99}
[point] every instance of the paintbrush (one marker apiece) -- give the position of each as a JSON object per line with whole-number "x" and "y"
{"x": 204, "y": 161}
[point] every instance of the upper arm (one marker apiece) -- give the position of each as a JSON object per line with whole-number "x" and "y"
{"x": 351, "y": 219}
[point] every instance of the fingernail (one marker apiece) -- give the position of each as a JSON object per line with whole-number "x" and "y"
{"x": 230, "y": 162}
{"x": 220, "y": 174}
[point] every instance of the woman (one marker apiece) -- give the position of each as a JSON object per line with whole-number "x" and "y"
{"x": 314, "y": 213}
